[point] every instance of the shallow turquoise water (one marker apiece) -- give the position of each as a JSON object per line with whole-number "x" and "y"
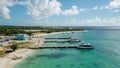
{"x": 106, "y": 52}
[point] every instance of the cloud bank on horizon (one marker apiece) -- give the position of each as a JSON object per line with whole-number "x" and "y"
{"x": 44, "y": 10}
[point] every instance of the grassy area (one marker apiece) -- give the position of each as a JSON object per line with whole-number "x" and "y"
{"x": 18, "y": 46}
{"x": 24, "y": 44}
{"x": 2, "y": 53}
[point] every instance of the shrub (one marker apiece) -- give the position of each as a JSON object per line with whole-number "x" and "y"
{"x": 14, "y": 46}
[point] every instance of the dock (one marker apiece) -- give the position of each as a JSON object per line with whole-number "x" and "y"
{"x": 54, "y": 47}
{"x": 61, "y": 41}
{"x": 59, "y": 47}
{"x": 58, "y": 38}
{"x": 42, "y": 40}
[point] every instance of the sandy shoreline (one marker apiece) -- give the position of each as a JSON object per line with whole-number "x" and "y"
{"x": 8, "y": 62}
{"x": 60, "y": 32}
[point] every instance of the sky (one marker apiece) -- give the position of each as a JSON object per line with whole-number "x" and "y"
{"x": 60, "y": 12}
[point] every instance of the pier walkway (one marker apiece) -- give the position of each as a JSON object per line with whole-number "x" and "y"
{"x": 61, "y": 40}
{"x": 41, "y": 42}
{"x": 58, "y": 38}
{"x": 54, "y": 47}
{"x": 59, "y": 47}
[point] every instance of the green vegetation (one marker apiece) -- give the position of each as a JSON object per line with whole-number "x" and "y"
{"x": 18, "y": 45}
{"x": 2, "y": 53}
{"x": 14, "y": 46}
{"x": 12, "y": 30}
{"x": 24, "y": 44}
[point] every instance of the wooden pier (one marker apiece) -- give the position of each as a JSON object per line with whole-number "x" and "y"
{"x": 61, "y": 41}
{"x": 60, "y": 47}
{"x": 54, "y": 47}
{"x": 58, "y": 38}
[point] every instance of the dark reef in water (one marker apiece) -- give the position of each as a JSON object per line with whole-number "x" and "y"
{"x": 52, "y": 56}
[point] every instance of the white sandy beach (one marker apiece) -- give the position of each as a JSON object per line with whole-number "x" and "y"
{"x": 44, "y": 34}
{"x": 8, "y": 62}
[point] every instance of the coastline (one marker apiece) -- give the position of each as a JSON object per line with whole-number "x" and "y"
{"x": 63, "y": 32}
{"x": 8, "y": 62}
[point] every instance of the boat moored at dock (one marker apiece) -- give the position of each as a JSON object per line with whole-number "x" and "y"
{"x": 85, "y": 46}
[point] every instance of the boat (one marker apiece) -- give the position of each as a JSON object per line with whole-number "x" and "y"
{"x": 73, "y": 40}
{"x": 72, "y": 32}
{"x": 85, "y": 46}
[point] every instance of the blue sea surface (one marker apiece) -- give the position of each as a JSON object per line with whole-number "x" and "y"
{"x": 106, "y": 52}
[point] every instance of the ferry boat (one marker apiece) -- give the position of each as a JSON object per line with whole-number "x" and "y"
{"x": 85, "y": 46}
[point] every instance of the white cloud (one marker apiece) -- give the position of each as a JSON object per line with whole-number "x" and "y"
{"x": 73, "y": 11}
{"x": 37, "y": 9}
{"x": 114, "y": 4}
{"x": 95, "y": 8}
{"x": 102, "y": 21}
{"x": 40, "y": 9}
{"x": 97, "y": 21}
{"x": 117, "y": 10}
{"x": 4, "y": 11}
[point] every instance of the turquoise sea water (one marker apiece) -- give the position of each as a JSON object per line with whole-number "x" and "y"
{"x": 106, "y": 52}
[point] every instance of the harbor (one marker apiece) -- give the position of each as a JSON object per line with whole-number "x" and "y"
{"x": 59, "y": 40}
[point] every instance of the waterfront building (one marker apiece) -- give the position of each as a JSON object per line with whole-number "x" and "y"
{"x": 22, "y": 37}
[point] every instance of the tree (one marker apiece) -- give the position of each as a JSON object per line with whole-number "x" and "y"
{"x": 14, "y": 46}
